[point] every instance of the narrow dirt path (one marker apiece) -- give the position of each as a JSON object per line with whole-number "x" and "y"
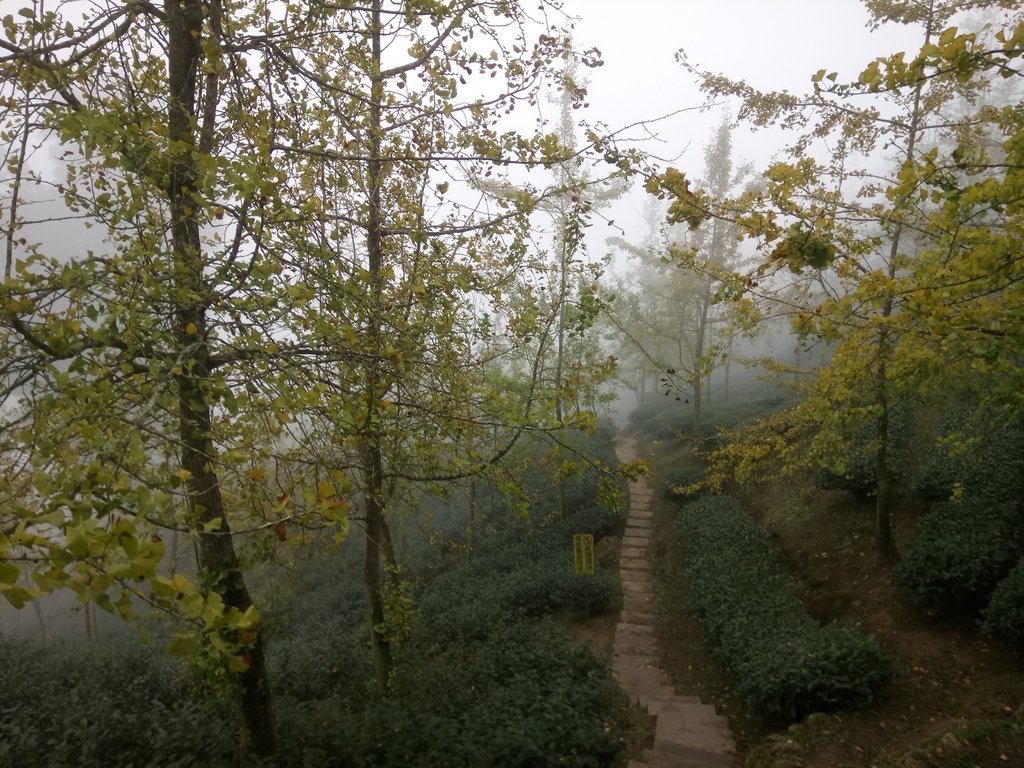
{"x": 688, "y": 734}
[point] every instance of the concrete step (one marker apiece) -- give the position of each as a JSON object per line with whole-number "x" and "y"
{"x": 635, "y": 642}
{"x": 635, "y": 570}
{"x": 680, "y": 733}
{"x": 627, "y": 552}
{"x": 673, "y": 700}
{"x": 641, "y": 565}
{"x": 639, "y": 527}
{"x": 637, "y": 617}
{"x": 635, "y": 576}
{"x": 655, "y": 758}
{"x": 642, "y": 684}
{"x": 634, "y": 629}
{"x": 637, "y": 601}
{"x": 636, "y": 541}
{"x": 639, "y": 587}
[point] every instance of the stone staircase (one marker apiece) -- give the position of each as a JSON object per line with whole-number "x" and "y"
{"x": 688, "y": 734}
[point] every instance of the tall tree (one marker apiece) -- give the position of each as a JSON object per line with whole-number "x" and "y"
{"x": 124, "y": 352}
{"x": 686, "y": 271}
{"x": 410, "y": 260}
{"x": 860, "y": 233}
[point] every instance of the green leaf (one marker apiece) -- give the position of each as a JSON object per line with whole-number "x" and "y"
{"x": 9, "y": 573}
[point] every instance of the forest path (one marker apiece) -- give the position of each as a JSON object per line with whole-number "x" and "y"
{"x": 689, "y": 733}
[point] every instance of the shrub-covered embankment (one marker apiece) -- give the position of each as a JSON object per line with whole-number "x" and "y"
{"x": 966, "y": 555}
{"x": 483, "y": 677}
{"x": 785, "y": 665}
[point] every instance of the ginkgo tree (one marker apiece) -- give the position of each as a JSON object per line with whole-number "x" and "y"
{"x": 678, "y": 314}
{"x": 868, "y": 222}
{"x": 147, "y": 348}
{"x": 248, "y": 309}
{"x": 413, "y": 263}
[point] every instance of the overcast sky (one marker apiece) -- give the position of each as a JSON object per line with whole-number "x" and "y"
{"x": 772, "y": 44}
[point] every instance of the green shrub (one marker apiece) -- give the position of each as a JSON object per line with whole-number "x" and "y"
{"x": 679, "y": 420}
{"x": 669, "y": 424}
{"x": 525, "y": 696}
{"x": 115, "y": 703}
{"x": 961, "y": 551}
{"x": 524, "y": 581}
{"x": 678, "y": 478}
{"x": 860, "y": 474}
{"x": 983, "y": 459}
{"x": 643, "y": 413}
{"x": 1004, "y": 616}
{"x": 785, "y": 665}
{"x": 595, "y": 519}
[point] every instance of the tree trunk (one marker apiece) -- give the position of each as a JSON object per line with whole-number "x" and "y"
{"x": 373, "y": 577}
{"x": 217, "y": 558}
{"x": 883, "y": 471}
{"x": 883, "y": 481}
{"x": 373, "y": 456}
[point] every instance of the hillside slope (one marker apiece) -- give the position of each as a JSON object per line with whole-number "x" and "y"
{"x": 958, "y": 699}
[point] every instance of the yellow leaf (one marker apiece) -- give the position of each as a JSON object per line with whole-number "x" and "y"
{"x": 326, "y": 490}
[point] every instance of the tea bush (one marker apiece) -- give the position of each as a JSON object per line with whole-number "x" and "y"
{"x": 669, "y": 424}
{"x": 116, "y": 703}
{"x": 785, "y": 665}
{"x": 656, "y": 407}
{"x": 983, "y": 460}
{"x": 482, "y": 678}
{"x": 525, "y": 579}
{"x": 860, "y": 475}
{"x": 524, "y": 696}
{"x": 679, "y": 421}
{"x": 1004, "y": 616}
{"x": 961, "y": 551}
{"x": 679, "y": 478}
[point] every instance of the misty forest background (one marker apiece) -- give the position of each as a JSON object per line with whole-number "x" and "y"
{"x": 317, "y": 335}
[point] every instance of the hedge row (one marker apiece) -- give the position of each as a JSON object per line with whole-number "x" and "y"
{"x": 479, "y": 683}
{"x": 960, "y": 553}
{"x": 680, "y": 478}
{"x": 983, "y": 459}
{"x": 860, "y": 476}
{"x": 785, "y": 665}
{"x": 670, "y": 419}
{"x": 1004, "y": 616}
{"x": 115, "y": 703}
{"x": 526, "y": 573}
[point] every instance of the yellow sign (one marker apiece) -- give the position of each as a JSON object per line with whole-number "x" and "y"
{"x": 583, "y": 553}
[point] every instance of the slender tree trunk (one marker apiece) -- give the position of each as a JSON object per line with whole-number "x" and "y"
{"x": 373, "y": 454}
{"x": 883, "y": 471}
{"x": 883, "y": 484}
{"x": 698, "y": 378}
{"x": 217, "y": 558}
{"x": 471, "y": 522}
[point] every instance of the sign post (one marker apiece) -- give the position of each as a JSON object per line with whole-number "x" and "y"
{"x": 583, "y": 553}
